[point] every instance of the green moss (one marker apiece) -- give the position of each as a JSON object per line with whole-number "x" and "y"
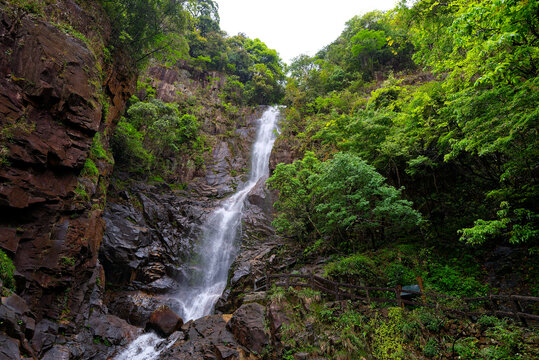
{"x": 97, "y": 151}
{"x": 89, "y": 169}
{"x": 20, "y": 125}
{"x": 70, "y": 30}
{"x": 7, "y": 269}
{"x": 67, "y": 261}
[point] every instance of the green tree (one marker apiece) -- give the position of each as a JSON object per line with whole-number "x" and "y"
{"x": 128, "y": 149}
{"x": 295, "y": 206}
{"x": 342, "y": 201}
{"x": 366, "y": 44}
{"x": 353, "y": 203}
{"x": 154, "y": 131}
{"x": 148, "y": 28}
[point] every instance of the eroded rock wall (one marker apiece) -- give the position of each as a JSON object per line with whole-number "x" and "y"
{"x": 56, "y": 94}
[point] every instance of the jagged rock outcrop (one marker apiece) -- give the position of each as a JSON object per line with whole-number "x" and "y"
{"x": 53, "y": 91}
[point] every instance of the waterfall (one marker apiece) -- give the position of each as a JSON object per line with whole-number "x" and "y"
{"x": 218, "y": 244}
{"x": 221, "y": 231}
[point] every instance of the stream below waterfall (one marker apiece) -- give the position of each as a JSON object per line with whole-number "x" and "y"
{"x": 219, "y": 244}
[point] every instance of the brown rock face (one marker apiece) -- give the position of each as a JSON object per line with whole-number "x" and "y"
{"x": 52, "y": 91}
{"x": 164, "y": 321}
{"x": 277, "y": 318}
{"x": 247, "y": 325}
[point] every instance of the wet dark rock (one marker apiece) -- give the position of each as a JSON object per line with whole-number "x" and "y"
{"x": 17, "y": 322}
{"x": 50, "y": 98}
{"x": 44, "y": 336}
{"x": 133, "y": 306}
{"x": 247, "y": 325}
{"x": 164, "y": 321}
{"x": 16, "y": 304}
{"x": 9, "y": 348}
{"x": 58, "y": 352}
{"x": 113, "y": 329}
{"x": 123, "y": 249}
{"x": 260, "y": 196}
{"x": 161, "y": 286}
{"x": 206, "y": 338}
{"x": 250, "y": 264}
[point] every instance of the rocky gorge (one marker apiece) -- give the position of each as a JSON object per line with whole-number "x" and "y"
{"x": 96, "y": 254}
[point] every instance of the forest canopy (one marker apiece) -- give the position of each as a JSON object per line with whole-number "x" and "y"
{"x": 442, "y": 99}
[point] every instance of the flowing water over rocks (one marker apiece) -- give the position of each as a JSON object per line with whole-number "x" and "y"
{"x": 219, "y": 239}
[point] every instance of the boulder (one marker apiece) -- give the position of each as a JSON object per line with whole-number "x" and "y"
{"x": 58, "y": 352}
{"x": 206, "y": 338}
{"x": 164, "y": 321}
{"x": 45, "y": 335}
{"x": 113, "y": 329}
{"x": 135, "y": 307}
{"x": 9, "y": 348}
{"x": 247, "y": 326}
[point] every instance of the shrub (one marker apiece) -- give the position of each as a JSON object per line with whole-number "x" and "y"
{"x": 127, "y": 146}
{"x": 351, "y": 269}
{"x": 7, "y": 269}
{"x": 398, "y": 274}
{"x": 429, "y": 320}
{"x": 387, "y": 339}
{"x": 487, "y": 321}
{"x": 451, "y": 281}
{"x": 97, "y": 151}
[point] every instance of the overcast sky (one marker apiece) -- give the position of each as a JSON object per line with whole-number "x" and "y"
{"x": 293, "y": 27}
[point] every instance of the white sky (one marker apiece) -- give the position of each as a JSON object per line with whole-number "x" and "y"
{"x": 293, "y": 27}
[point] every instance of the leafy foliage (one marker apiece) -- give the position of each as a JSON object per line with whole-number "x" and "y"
{"x": 148, "y": 27}
{"x": 255, "y": 70}
{"x": 153, "y": 132}
{"x": 7, "y": 269}
{"x": 462, "y": 137}
{"x": 343, "y": 200}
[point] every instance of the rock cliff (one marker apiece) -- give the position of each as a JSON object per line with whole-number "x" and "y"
{"x": 59, "y": 99}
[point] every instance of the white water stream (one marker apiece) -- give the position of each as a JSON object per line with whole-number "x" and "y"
{"x": 219, "y": 246}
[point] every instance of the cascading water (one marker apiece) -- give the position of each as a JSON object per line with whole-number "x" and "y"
{"x": 219, "y": 248}
{"x": 221, "y": 231}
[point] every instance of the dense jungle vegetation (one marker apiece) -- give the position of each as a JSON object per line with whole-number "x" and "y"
{"x": 440, "y": 99}
{"x": 416, "y": 139}
{"x": 167, "y": 32}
